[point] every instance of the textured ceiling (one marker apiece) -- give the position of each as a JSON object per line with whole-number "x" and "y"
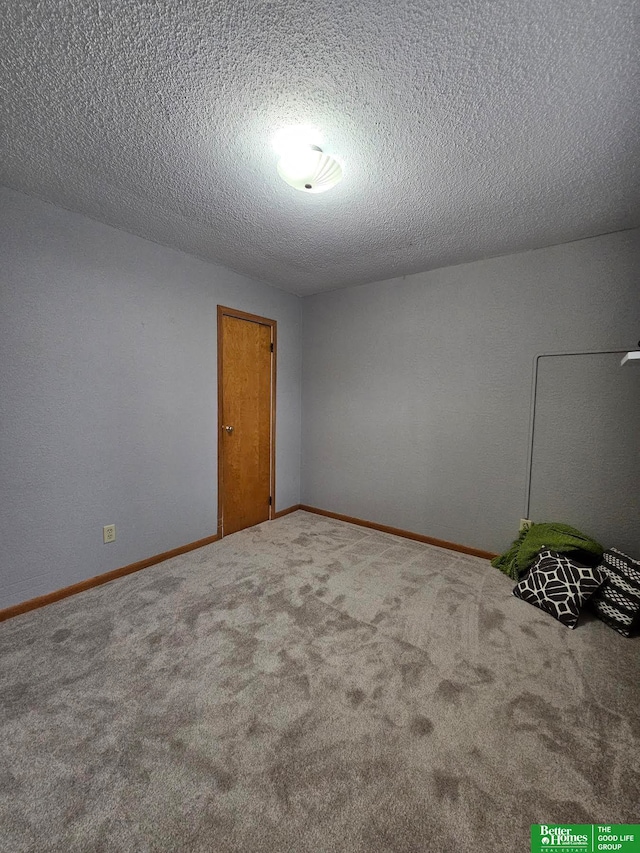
{"x": 467, "y": 128}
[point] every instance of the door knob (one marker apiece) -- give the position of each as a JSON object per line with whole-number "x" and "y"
{"x": 229, "y": 429}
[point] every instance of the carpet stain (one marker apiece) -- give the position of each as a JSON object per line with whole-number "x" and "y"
{"x": 165, "y": 585}
{"x": 291, "y": 667}
{"x": 257, "y": 727}
{"x": 451, "y": 692}
{"x": 484, "y": 674}
{"x": 223, "y": 779}
{"x": 13, "y": 700}
{"x": 447, "y": 787}
{"x": 421, "y": 726}
{"x": 297, "y": 730}
{"x": 356, "y": 697}
{"x": 61, "y": 635}
{"x": 412, "y": 673}
{"x": 492, "y": 620}
{"x": 342, "y": 622}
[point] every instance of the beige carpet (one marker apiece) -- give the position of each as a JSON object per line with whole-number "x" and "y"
{"x": 308, "y": 685}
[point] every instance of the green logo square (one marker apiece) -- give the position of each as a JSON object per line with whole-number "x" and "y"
{"x": 585, "y": 838}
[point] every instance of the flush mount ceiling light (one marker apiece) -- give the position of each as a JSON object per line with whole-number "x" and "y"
{"x": 309, "y": 169}
{"x": 303, "y": 164}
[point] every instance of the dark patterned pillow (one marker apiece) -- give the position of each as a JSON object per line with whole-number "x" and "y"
{"x": 558, "y": 585}
{"x": 617, "y": 602}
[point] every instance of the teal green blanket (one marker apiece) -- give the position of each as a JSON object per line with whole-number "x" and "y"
{"x": 556, "y": 537}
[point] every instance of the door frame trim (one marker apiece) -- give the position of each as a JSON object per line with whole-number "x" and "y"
{"x": 223, "y": 311}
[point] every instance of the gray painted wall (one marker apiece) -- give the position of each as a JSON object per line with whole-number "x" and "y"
{"x": 109, "y": 398}
{"x": 416, "y": 391}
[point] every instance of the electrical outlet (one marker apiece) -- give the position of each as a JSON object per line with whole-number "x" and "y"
{"x": 525, "y": 524}
{"x": 109, "y": 533}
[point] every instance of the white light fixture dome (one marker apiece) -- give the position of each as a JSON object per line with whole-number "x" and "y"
{"x": 309, "y": 169}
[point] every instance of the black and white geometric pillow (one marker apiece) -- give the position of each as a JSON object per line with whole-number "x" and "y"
{"x": 559, "y": 586}
{"x": 617, "y": 602}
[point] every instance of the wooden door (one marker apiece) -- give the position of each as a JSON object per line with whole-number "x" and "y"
{"x": 246, "y": 418}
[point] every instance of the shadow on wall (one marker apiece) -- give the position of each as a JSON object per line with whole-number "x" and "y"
{"x": 586, "y": 447}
